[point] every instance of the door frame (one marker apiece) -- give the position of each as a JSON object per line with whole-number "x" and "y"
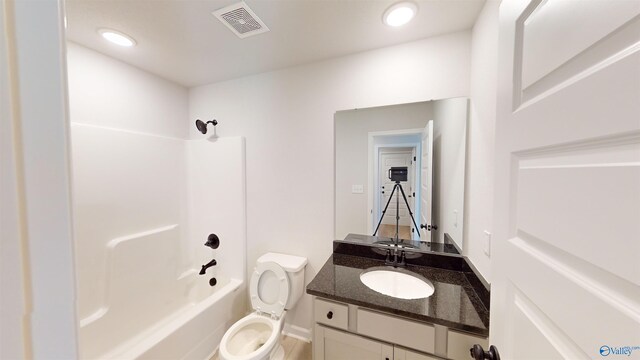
{"x": 372, "y": 170}
{"x": 37, "y": 254}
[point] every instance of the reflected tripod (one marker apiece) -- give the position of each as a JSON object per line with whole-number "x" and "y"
{"x": 395, "y": 187}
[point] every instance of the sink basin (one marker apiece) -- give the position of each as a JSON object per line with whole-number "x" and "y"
{"x": 397, "y": 284}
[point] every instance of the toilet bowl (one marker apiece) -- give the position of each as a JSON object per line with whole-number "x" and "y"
{"x": 276, "y": 286}
{"x": 251, "y": 338}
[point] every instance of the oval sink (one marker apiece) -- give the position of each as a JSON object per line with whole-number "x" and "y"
{"x": 397, "y": 284}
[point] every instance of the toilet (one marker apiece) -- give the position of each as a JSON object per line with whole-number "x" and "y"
{"x": 276, "y": 285}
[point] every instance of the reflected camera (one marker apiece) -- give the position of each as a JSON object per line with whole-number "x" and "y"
{"x": 398, "y": 173}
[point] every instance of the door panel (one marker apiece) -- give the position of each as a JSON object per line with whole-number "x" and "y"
{"x": 426, "y": 181}
{"x": 550, "y": 28}
{"x": 565, "y": 273}
{"x": 531, "y": 327}
{"x": 608, "y": 187}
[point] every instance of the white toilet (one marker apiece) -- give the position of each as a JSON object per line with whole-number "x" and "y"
{"x": 276, "y": 285}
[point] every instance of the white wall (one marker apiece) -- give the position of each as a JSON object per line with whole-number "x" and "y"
{"x": 109, "y": 93}
{"x": 128, "y": 159}
{"x": 479, "y": 181}
{"x": 287, "y": 119}
{"x": 217, "y": 204}
{"x": 140, "y": 187}
{"x": 449, "y": 140}
{"x": 351, "y": 152}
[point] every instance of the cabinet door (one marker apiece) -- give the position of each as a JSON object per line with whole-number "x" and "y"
{"x": 332, "y": 344}
{"x": 404, "y": 354}
{"x": 458, "y": 344}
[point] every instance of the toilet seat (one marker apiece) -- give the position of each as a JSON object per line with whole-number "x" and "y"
{"x": 276, "y": 308}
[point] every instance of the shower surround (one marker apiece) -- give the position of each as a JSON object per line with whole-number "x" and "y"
{"x": 143, "y": 207}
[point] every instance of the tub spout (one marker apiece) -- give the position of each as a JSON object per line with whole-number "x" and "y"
{"x": 208, "y": 265}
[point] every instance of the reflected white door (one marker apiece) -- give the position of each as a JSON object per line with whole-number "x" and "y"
{"x": 426, "y": 181}
{"x": 387, "y": 161}
{"x": 565, "y": 270}
{"x": 414, "y": 173}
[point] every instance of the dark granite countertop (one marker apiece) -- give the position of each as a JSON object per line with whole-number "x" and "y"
{"x": 454, "y": 303}
{"x": 420, "y": 246}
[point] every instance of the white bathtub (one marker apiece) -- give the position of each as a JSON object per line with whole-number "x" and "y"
{"x": 193, "y": 331}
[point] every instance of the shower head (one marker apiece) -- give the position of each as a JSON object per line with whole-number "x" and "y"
{"x": 202, "y": 126}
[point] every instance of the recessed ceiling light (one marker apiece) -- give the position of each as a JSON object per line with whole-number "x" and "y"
{"x": 400, "y": 13}
{"x": 117, "y": 37}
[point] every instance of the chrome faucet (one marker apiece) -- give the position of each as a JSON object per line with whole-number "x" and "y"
{"x": 395, "y": 262}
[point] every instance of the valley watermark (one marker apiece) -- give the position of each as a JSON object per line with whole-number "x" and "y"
{"x": 606, "y": 350}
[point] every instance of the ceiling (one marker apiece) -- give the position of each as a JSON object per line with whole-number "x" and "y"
{"x": 181, "y": 41}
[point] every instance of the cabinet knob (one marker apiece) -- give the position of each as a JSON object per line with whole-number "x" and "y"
{"x": 330, "y": 315}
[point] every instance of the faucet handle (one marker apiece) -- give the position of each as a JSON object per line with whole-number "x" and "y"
{"x": 402, "y": 259}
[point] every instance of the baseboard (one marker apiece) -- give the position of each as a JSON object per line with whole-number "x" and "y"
{"x": 297, "y": 332}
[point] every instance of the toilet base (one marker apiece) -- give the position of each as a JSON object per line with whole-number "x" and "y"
{"x": 278, "y": 354}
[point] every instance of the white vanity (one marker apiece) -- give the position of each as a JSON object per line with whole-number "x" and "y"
{"x": 343, "y": 331}
{"x": 352, "y": 321}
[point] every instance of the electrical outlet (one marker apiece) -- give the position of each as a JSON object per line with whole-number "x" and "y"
{"x": 487, "y": 243}
{"x": 357, "y": 189}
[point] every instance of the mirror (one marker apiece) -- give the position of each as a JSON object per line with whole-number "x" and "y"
{"x": 399, "y": 171}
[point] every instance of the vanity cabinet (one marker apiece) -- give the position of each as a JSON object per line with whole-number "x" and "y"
{"x": 346, "y": 332}
{"x": 340, "y": 345}
{"x": 405, "y": 354}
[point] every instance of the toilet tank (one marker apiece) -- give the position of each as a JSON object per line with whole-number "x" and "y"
{"x": 294, "y": 267}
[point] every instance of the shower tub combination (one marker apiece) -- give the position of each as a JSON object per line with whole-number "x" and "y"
{"x": 143, "y": 210}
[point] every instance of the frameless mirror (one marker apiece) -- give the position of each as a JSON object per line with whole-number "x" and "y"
{"x": 399, "y": 173}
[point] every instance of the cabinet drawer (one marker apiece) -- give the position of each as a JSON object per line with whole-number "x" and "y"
{"x": 331, "y": 313}
{"x": 395, "y": 330}
{"x": 458, "y": 344}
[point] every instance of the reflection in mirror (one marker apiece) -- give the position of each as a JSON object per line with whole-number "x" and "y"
{"x": 416, "y": 150}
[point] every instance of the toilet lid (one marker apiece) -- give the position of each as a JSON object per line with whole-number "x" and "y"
{"x": 273, "y": 307}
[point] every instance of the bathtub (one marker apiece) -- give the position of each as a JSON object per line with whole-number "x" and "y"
{"x": 192, "y": 331}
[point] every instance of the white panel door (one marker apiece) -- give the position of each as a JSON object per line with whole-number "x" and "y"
{"x": 387, "y": 161}
{"x": 566, "y": 275}
{"x": 414, "y": 175}
{"x": 426, "y": 182}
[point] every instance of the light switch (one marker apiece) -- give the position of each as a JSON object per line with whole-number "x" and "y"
{"x": 357, "y": 189}
{"x": 487, "y": 243}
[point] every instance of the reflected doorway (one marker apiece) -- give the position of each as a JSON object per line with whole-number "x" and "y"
{"x": 394, "y": 149}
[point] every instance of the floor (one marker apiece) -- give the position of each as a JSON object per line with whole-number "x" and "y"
{"x": 388, "y": 230}
{"x": 294, "y": 349}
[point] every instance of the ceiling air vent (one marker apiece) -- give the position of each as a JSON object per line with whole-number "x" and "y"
{"x": 240, "y": 19}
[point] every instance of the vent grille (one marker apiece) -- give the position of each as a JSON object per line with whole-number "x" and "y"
{"x": 241, "y": 20}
